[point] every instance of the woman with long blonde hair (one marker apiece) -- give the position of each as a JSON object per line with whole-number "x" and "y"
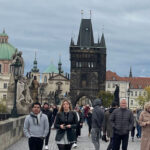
{"x": 66, "y": 122}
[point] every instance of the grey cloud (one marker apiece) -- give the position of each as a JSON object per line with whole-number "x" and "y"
{"x": 47, "y": 26}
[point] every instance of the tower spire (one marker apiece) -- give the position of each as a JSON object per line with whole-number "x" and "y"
{"x": 35, "y": 69}
{"x": 130, "y": 74}
{"x": 59, "y": 65}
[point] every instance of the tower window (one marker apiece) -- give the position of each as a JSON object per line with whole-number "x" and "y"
{"x": 92, "y": 65}
{"x": 86, "y": 29}
{"x": 80, "y": 65}
{"x": 77, "y": 64}
{"x": 89, "y": 65}
{"x": 84, "y": 80}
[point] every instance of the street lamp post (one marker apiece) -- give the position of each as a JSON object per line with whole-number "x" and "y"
{"x": 16, "y": 72}
{"x": 128, "y": 91}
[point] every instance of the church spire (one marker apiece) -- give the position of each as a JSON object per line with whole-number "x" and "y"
{"x": 35, "y": 69}
{"x": 103, "y": 41}
{"x": 130, "y": 74}
{"x": 59, "y": 65}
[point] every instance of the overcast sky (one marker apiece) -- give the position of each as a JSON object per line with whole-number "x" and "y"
{"x": 46, "y": 26}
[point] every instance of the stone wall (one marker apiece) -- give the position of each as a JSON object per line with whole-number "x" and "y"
{"x": 11, "y": 131}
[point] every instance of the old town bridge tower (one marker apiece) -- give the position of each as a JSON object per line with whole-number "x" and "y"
{"x": 88, "y": 64}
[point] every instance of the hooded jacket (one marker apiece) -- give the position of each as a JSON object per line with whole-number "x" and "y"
{"x": 97, "y": 115}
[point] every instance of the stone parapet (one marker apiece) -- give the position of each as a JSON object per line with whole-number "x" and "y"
{"x": 11, "y": 131}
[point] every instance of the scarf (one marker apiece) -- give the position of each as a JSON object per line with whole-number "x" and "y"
{"x": 36, "y": 118}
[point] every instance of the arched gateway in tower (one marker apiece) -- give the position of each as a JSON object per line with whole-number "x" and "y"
{"x": 88, "y": 64}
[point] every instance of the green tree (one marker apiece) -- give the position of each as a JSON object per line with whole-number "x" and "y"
{"x": 143, "y": 99}
{"x": 106, "y": 97}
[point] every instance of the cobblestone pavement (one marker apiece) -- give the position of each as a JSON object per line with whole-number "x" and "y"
{"x": 84, "y": 143}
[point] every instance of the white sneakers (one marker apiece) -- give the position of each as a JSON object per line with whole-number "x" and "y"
{"x": 46, "y": 147}
{"x": 74, "y": 145}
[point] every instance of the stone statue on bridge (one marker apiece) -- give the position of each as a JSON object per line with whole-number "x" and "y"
{"x": 23, "y": 99}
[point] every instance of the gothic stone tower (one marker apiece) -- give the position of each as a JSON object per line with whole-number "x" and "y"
{"x": 88, "y": 64}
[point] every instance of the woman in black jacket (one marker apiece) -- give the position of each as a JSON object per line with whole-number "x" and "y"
{"x": 66, "y": 122}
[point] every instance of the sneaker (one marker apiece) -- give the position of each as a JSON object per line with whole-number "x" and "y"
{"x": 74, "y": 145}
{"x": 46, "y": 147}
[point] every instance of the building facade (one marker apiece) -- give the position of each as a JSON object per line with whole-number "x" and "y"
{"x": 88, "y": 64}
{"x": 130, "y": 87}
{"x": 55, "y": 83}
{"x": 6, "y": 53}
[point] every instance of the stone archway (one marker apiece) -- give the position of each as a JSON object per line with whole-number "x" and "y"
{"x": 84, "y": 100}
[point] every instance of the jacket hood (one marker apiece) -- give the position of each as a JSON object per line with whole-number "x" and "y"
{"x": 97, "y": 102}
{"x": 111, "y": 110}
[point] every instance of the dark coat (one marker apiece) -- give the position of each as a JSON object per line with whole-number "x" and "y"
{"x": 107, "y": 127}
{"x": 89, "y": 119}
{"x": 122, "y": 121}
{"x": 49, "y": 114}
{"x": 72, "y": 120}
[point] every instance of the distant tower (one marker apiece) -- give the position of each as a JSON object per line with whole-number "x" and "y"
{"x": 88, "y": 64}
{"x": 130, "y": 74}
{"x": 35, "y": 70}
{"x": 59, "y": 66}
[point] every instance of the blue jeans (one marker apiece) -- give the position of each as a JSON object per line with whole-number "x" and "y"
{"x": 138, "y": 131}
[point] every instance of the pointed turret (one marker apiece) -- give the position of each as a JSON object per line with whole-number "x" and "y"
{"x": 72, "y": 42}
{"x": 103, "y": 41}
{"x": 130, "y": 74}
{"x": 85, "y": 37}
{"x": 98, "y": 42}
{"x": 35, "y": 69}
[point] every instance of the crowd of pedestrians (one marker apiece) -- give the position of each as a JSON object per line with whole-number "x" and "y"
{"x": 113, "y": 125}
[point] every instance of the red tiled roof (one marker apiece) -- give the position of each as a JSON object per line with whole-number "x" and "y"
{"x": 135, "y": 82}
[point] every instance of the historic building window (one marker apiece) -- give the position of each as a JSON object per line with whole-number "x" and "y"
{"x": 114, "y": 85}
{"x": 131, "y": 102}
{"x": 4, "y": 97}
{"x": 5, "y": 85}
{"x": 135, "y": 93}
{"x": 0, "y": 68}
{"x": 140, "y": 93}
{"x": 114, "y": 78}
{"x": 131, "y": 93}
{"x": 45, "y": 79}
{"x": 108, "y": 85}
{"x": 144, "y": 93}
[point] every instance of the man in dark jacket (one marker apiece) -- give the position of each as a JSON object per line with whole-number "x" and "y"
{"x": 49, "y": 114}
{"x": 122, "y": 122}
{"x": 97, "y": 120}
